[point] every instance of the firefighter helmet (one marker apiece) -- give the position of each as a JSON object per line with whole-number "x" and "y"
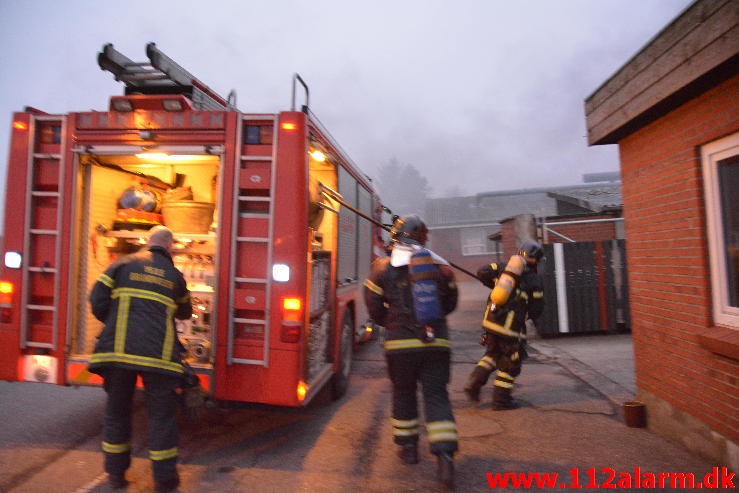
{"x": 531, "y": 249}
{"x": 410, "y": 230}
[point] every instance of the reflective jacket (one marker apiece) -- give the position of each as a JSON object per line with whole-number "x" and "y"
{"x": 387, "y": 293}
{"x": 137, "y": 298}
{"x": 527, "y": 301}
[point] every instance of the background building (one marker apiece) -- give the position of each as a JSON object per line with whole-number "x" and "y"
{"x": 582, "y": 232}
{"x": 469, "y": 230}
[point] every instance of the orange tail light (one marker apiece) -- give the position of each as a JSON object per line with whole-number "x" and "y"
{"x": 6, "y": 301}
{"x": 292, "y": 319}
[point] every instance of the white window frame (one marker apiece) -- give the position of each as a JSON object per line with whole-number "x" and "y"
{"x": 711, "y": 154}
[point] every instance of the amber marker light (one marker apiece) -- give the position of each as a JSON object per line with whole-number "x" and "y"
{"x": 289, "y": 126}
{"x": 302, "y": 390}
{"x": 6, "y": 288}
{"x": 291, "y": 308}
{"x": 6, "y": 300}
{"x": 20, "y": 126}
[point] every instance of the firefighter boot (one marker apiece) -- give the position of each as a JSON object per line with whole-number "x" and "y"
{"x": 478, "y": 378}
{"x": 502, "y": 399}
{"x": 473, "y": 391}
{"x": 117, "y": 481}
{"x": 408, "y": 453}
{"x": 445, "y": 469}
{"x": 168, "y": 485}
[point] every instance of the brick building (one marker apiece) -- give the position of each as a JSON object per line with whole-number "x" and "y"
{"x": 469, "y": 230}
{"x": 673, "y": 110}
{"x": 583, "y": 215}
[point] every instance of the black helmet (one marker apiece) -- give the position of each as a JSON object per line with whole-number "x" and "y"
{"x": 410, "y": 230}
{"x": 531, "y": 249}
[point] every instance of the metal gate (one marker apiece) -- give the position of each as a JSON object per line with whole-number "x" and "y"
{"x": 585, "y": 288}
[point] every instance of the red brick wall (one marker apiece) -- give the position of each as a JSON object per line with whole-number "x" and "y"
{"x": 601, "y": 231}
{"x": 668, "y": 259}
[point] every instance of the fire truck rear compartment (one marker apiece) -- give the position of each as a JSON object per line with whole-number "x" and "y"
{"x": 108, "y": 229}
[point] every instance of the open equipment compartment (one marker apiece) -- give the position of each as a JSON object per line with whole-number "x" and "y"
{"x": 149, "y": 182}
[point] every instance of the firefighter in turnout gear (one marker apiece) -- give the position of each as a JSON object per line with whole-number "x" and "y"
{"x": 137, "y": 298}
{"x": 505, "y": 326}
{"x": 410, "y": 293}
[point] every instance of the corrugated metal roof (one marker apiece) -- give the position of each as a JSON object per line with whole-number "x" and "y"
{"x": 600, "y": 199}
{"x": 490, "y": 207}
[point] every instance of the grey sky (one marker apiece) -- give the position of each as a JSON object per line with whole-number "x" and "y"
{"x": 478, "y": 95}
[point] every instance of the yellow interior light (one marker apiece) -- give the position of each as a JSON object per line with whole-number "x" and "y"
{"x": 318, "y": 155}
{"x": 156, "y": 156}
{"x": 161, "y": 157}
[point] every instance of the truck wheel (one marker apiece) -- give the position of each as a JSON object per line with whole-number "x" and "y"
{"x": 340, "y": 380}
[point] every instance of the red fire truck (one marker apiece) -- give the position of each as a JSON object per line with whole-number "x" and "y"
{"x": 261, "y": 207}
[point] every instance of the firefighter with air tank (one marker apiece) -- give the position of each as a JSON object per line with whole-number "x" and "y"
{"x": 410, "y": 293}
{"x": 517, "y": 295}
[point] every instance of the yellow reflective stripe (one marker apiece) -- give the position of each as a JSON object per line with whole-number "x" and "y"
{"x": 445, "y": 425}
{"x": 442, "y": 431}
{"x": 121, "y": 325}
{"x": 499, "y": 329}
{"x": 443, "y": 437}
{"x": 144, "y": 294}
{"x": 509, "y": 319}
{"x": 373, "y": 287}
{"x": 537, "y": 294}
{"x": 169, "y": 334}
{"x": 487, "y": 362}
{"x": 405, "y": 433}
{"x": 116, "y": 448}
{"x": 107, "y": 280}
{"x": 405, "y": 427}
{"x": 393, "y": 344}
{"x": 503, "y": 374}
{"x": 405, "y": 423}
{"x": 163, "y": 454}
{"x": 136, "y": 360}
{"x": 503, "y": 379}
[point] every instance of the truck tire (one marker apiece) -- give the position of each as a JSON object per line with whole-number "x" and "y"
{"x": 340, "y": 380}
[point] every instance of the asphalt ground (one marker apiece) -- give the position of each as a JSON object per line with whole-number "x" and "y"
{"x": 568, "y": 435}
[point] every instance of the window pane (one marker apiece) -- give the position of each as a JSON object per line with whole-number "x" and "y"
{"x": 728, "y": 179}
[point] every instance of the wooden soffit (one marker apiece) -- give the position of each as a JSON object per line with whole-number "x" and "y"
{"x": 695, "y": 52}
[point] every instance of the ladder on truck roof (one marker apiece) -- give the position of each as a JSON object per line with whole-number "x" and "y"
{"x": 160, "y": 75}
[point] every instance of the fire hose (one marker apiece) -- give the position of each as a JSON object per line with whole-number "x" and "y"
{"x": 336, "y": 197}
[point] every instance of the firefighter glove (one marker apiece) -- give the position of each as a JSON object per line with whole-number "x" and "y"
{"x": 193, "y": 402}
{"x": 193, "y": 396}
{"x": 484, "y": 338}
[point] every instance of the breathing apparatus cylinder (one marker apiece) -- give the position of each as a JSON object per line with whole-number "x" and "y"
{"x": 507, "y": 280}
